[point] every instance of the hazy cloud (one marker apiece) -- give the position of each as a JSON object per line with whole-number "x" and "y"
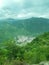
{"x": 24, "y": 8}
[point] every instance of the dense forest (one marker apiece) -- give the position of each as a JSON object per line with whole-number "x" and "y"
{"x": 32, "y": 53}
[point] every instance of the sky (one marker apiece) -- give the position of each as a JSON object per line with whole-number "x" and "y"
{"x": 21, "y": 9}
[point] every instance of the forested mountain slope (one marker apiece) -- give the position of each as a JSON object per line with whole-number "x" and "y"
{"x": 11, "y": 28}
{"x": 32, "y": 53}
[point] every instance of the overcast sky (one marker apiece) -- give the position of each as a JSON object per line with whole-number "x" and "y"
{"x": 24, "y": 8}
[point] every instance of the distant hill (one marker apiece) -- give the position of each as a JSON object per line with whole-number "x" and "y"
{"x": 11, "y": 28}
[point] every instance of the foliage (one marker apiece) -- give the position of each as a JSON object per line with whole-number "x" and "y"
{"x": 32, "y": 53}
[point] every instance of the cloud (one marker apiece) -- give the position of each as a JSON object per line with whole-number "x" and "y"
{"x": 18, "y": 1}
{"x": 24, "y": 8}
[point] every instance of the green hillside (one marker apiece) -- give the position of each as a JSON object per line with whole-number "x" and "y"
{"x": 11, "y": 28}
{"x": 33, "y": 53}
{"x": 38, "y": 50}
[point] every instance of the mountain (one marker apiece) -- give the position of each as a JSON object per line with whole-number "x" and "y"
{"x": 32, "y": 27}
